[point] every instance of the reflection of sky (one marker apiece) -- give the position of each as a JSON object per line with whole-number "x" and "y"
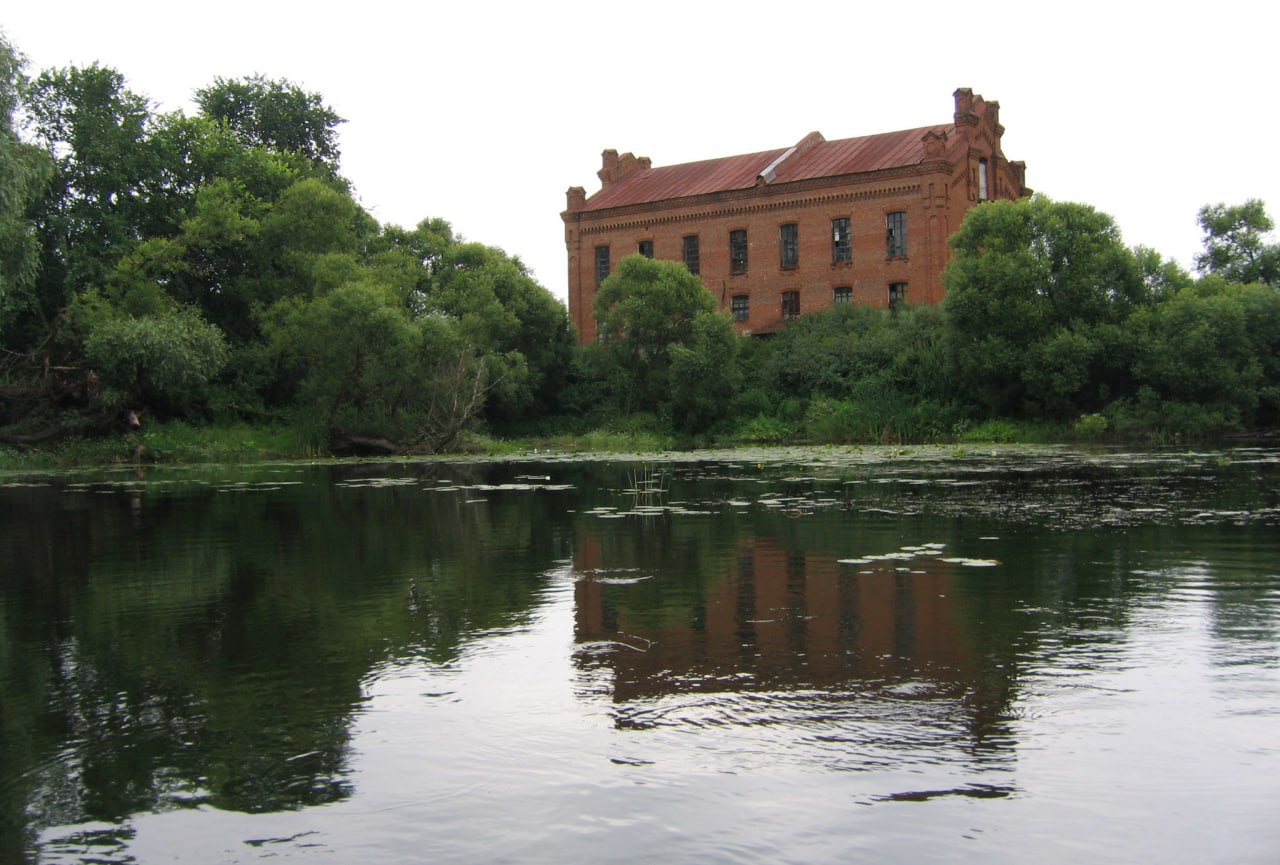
{"x": 1156, "y": 740}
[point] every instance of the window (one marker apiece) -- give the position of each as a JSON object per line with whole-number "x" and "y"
{"x": 844, "y": 294}
{"x": 789, "y": 245}
{"x": 691, "y": 253}
{"x": 982, "y": 180}
{"x": 790, "y": 304}
{"x": 896, "y": 234}
{"x": 602, "y": 264}
{"x": 841, "y": 241}
{"x": 738, "y": 251}
{"x": 645, "y": 248}
{"x": 897, "y": 295}
{"x": 741, "y": 307}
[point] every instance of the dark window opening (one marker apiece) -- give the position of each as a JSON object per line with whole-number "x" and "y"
{"x": 897, "y": 295}
{"x": 841, "y": 241}
{"x": 789, "y": 245}
{"x": 982, "y": 180}
{"x": 738, "y": 251}
{"x": 691, "y": 254}
{"x": 602, "y": 264}
{"x": 790, "y": 304}
{"x": 741, "y": 307}
{"x": 896, "y": 234}
{"x": 844, "y": 294}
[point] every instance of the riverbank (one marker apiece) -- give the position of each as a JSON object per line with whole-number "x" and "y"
{"x": 179, "y": 443}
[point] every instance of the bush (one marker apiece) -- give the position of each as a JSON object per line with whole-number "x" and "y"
{"x": 763, "y": 429}
{"x": 1090, "y": 426}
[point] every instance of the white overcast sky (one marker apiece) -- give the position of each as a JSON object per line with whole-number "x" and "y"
{"x": 485, "y": 113}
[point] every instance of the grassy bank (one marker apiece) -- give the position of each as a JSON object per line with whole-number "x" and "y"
{"x": 179, "y": 443}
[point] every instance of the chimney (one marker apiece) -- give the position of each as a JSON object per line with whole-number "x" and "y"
{"x": 614, "y": 167}
{"x": 608, "y": 172}
{"x": 576, "y": 197}
{"x": 964, "y": 115}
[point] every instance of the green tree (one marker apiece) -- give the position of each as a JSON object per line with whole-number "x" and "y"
{"x": 275, "y": 114}
{"x": 369, "y": 369}
{"x": 704, "y": 374}
{"x": 1160, "y": 276}
{"x": 24, "y": 169}
{"x": 1235, "y": 245}
{"x": 643, "y": 310}
{"x": 1208, "y": 358}
{"x": 1032, "y": 292}
{"x": 507, "y": 315}
{"x": 164, "y": 361}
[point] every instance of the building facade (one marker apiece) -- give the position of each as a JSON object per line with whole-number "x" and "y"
{"x": 781, "y": 233}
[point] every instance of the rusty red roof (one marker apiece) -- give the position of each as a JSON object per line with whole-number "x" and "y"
{"x": 813, "y": 157}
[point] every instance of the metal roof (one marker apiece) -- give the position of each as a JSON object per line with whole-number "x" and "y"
{"x": 812, "y": 159}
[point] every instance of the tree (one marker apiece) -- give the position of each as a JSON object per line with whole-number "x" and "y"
{"x": 24, "y": 169}
{"x": 163, "y": 361}
{"x": 275, "y": 114}
{"x": 704, "y": 374}
{"x": 644, "y": 309}
{"x": 506, "y": 314}
{"x": 1032, "y": 291}
{"x": 1235, "y": 246}
{"x": 107, "y": 191}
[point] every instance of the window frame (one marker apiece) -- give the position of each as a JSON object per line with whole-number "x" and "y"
{"x": 896, "y": 234}
{"x": 842, "y": 295}
{"x": 789, "y": 246}
{"x": 897, "y": 295}
{"x": 602, "y": 263}
{"x": 691, "y": 253}
{"x": 790, "y": 305}
{"x": 740, "y": 307}
{"x": 841, "y": 247}
{"x": 738, "y": 256}
{"x": 645, "y": 248}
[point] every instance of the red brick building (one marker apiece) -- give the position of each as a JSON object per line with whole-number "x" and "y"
{"x": 777, "y": 234}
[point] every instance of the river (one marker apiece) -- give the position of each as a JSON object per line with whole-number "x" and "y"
{"x": 809, "y": 655}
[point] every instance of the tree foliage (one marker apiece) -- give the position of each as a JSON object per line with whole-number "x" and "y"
{"x": 1033, "y": 290}
{"x": 1235, "y": 245}
{"x": 275, "y": 114}
{"x": 643, "y": 310}
{"x": 24, "y": 170}
{"x": 219, "y": 263}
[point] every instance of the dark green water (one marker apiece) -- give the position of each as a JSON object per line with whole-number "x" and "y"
{"x": 808, "y": 656}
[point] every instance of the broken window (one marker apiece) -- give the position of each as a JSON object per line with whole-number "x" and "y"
{"x": 896, "y": 234}
{"x": 645, "y": 248}
{"x": 841, "y": 241}
{"x": 789, "y": 245}
{"x": 790, "y": 304}
{"x": 897, "y": 295}
{"x": 738, "y": 251}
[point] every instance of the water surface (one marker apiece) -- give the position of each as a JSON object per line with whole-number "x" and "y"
{"x": 809, "y": 656}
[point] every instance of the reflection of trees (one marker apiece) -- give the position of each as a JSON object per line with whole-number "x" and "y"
{"x": 164, "y": 644}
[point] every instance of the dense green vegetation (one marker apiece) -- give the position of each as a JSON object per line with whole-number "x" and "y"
{"x": 214, "y": 271}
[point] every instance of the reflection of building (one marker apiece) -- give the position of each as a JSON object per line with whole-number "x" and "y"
{"x": 781, "y": 620}
{"x": 784, "y": 232}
